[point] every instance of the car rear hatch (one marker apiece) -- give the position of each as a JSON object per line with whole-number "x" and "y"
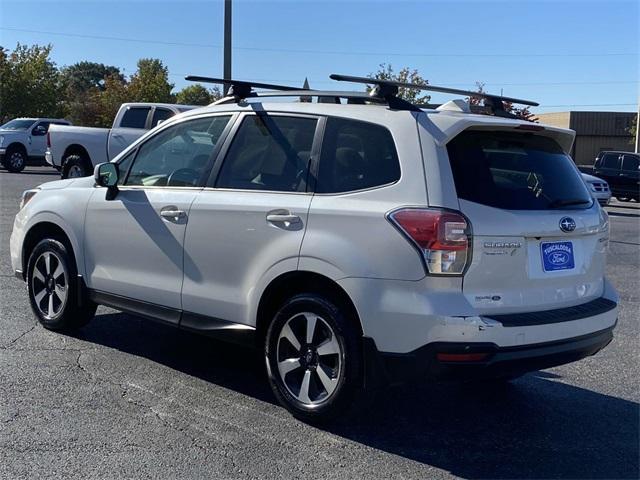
{"x": 538, "y": 238}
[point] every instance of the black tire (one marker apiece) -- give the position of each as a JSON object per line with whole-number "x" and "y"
{"x": 75, "y": 166}
{"x": 15, "y": 159}
{"x": 342, "y": 370}
{"x": 47, "y": 289}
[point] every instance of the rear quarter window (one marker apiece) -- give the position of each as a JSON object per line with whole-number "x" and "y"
{"x": 356, "y": 155}
{"x": 515, "y": 171}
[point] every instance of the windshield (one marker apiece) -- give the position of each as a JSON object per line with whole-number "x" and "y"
{"x": 515, "y": 171}
{"x": 17, "y": 124}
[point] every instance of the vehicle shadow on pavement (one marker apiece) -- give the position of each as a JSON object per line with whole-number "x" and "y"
{"x": 623, "y": 214}
{"x": 534, "y": 427}
{"x": 26, "y": 171}
{"x": 631, "y": 206}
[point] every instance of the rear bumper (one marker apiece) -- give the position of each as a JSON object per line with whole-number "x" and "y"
{"x": 426, "y": 362}
{"x": 463, "y": 360}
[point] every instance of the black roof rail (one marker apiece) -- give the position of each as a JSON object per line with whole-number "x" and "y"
{"x": 240, "y": 89}
{"x": 388, "y": 89}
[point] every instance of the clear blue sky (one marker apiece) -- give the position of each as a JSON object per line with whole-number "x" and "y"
{"x": 568, "y": 55}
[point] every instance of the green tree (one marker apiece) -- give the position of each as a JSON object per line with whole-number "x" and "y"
{"x": 108, "y": 101}
{"x": 85, "y": 76}
{"x": 633, "y": 128}
{"x": 523, "y": 113}
{"x": 150, "y": 83}
{"x": 406, "y": 75}
{"x": 29, "y": 83}
{"x": 83, "y": 83}
{"x": 197, "y": 95}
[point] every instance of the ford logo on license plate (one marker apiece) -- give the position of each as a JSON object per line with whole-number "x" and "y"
{"x": 557, "y": 256}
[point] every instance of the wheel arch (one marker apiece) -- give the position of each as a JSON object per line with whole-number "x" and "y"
{"x": 76, "y": 149}
{"x": 296, "y": 282}
{"x": 47, "y": 229}
{"x": 18, "y": 145}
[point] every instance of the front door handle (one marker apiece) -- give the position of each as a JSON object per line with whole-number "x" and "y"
{"x": 283, "y": 217}
{"x": 287, "y": 218}
{"x": 172, "y": 213}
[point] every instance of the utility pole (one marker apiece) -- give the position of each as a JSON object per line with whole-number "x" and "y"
{"x": 227, "y": 45}
{"x": 638, "y": 128}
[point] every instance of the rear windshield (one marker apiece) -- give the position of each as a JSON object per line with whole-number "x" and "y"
{"x": 515, "y": 171}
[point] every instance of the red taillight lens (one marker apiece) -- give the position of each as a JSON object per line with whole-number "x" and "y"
{"x": 48, "y": 140}
{"x": 441, "y": 236}
{"x": 461, "y": 357}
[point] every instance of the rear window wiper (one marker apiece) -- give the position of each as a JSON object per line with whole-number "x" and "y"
{"x": 567, "y": 202}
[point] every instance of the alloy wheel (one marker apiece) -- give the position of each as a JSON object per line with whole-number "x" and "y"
{"x": 75, "y": 171}
{"x": 309, "y": 358}
{"x": 16, "y": 160}
{"x": 50, "y": 285}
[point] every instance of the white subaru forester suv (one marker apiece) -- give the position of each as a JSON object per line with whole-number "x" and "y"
{"x": 358, "y": 244}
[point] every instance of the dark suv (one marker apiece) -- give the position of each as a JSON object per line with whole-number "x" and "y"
{"x": 622, "y": 171}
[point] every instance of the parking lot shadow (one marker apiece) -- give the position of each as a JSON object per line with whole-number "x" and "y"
{"x": 536, "y": 427}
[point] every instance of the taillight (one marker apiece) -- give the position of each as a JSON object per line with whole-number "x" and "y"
{"x": 48, "y": 140}
{"x": 442, "y": 237}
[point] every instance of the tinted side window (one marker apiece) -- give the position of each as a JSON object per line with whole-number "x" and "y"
{"x": 356, "y": 155}
{"x": 43, "y": 124}
{"x": 178, "y": 155}
{"x": 160, "y": 114}
{"x": 135, "y": 117}
{"x": 123, "y": 167}
{"x": 630, "y": 163}
{"x": 610, "y": 160}
{"x": 269, "y": 153}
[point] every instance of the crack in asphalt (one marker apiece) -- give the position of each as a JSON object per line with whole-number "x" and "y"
{"x": 8, "y": 345}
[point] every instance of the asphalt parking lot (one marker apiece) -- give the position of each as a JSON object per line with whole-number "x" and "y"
{"x": 126, "y": 397}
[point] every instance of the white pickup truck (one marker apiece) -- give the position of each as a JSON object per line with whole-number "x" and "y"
{"x": 23, "y": 140}
{"x": 74, "y": 151}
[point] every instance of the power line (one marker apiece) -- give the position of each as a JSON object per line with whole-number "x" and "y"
{"x": 590, "y": 105}
{"x": 439, "y": 82}
{"x": 323, "y": 52}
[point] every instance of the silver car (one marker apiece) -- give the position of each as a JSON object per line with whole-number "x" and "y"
{"x": 599, "y": 188}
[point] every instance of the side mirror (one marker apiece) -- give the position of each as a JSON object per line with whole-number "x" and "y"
{"x": 39, "y": 131}
{"x": 106, "y": 175}
{"x": 159, "y": 122}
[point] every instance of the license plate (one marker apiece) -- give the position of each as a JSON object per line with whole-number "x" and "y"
{"x": 557, "y": 256}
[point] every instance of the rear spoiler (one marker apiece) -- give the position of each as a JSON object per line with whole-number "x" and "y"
{"x": 445, "y": 128}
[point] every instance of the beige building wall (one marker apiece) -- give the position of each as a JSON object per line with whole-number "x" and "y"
{"x": 595, "y": 132}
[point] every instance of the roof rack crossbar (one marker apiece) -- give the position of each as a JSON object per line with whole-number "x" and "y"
{"x": 390, "y": 87}
{"x": 240, "y": 89}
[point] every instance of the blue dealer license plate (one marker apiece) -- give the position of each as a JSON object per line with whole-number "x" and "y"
{"x": 557, "y": 256}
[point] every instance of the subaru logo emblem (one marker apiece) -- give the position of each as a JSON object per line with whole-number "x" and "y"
{"x": 567, "y": 224}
